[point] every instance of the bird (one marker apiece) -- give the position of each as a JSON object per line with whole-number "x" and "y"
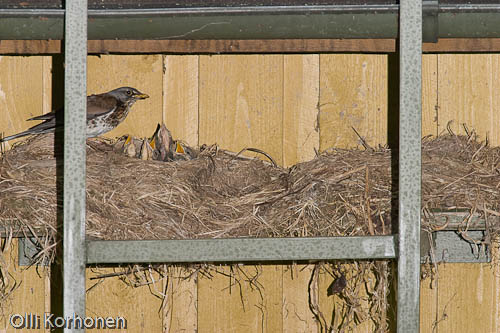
{"x": 104, "y": 112}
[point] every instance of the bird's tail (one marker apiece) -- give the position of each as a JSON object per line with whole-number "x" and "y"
{"x": 45, "y": 127}
{"x": 15, "y": 136}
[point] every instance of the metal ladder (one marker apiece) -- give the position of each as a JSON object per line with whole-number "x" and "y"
{"x": 405, "y": 246}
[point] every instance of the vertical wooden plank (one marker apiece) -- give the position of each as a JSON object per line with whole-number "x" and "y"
{"x": 214, "y": 293}
{"x": 112, "y": 297}
{"x": 29, "y": 296}
{"x": 21, "y": 97}
{"x": 300, "y": 140}
{"x": 230, "y": 303}
{"x": 268, "y": 301}
{"x": 180, "y": 97}
{"x": 468, "y": 93}
{"x": 297, "y": 317}
{"x": 180, "y": 312}
{"x": 241, "y": 102}
{"x": 241, "y": 105}
{"x": 429, "y": 94}
{"x": 495, "y": 251}
{"x": 467, "y": 298}
{"x": 353, "y": 93}
{"x": 46, "y": 84}
{"x": 428, "y": 304}
{"x": 300, "y": 108}
{"x": 143, "y": 72}
{"x": 180, "y": 115}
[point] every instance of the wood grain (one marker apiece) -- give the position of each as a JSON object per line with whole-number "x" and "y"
{"x": 180, "y": 97}
{"x": 353, "y": 94}
{"x": 237, "y": 301}
{"x": 214, "y": 298}
{"x": 214, "y": 46}
{"x": 19, "y": 47}
{"x": 429, "y": 94}
{"x": 143, "y": 72}
{"x": 468, "y": 94}
{"x": 467, "y": 299}
{"x": 30, "y": 294}
{"x": 140, "y": 306}
{"x": 21, "y": 93}
{"x": 297, "y": 317}
{"x": 46, "y": 84}
{"x": 428, "y": 303}
{"x": 218, "y": 46}
{"x": 241, "y": 102}
{"x": 300, "y": 108}
{"x": 180, "y": 313}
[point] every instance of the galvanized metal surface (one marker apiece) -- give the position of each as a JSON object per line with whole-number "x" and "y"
{"x": 241, "y": 249}
{"x": 410, "y": 165}
{"x": 256, "y": 22}
{"x": 451, "y": 247}
{"x": 447, "y": 246}
{"x": 75, "y": 85}
{"x": 456, "y": 220}
{"x": 28, "y": 250}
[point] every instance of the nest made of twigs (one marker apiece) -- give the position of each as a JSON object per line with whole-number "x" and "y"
{"x": 213, "y": 193}
{"x": 218, "y": 194}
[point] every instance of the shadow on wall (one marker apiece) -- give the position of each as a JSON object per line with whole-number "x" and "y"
{"x": 393, "y": 131}
{"x": 56, "y": 269}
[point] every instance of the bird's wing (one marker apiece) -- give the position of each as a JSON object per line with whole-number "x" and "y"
{"x": 98, "y": 105}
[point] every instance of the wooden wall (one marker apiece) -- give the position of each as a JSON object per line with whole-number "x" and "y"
{"x": 289, "y": 106}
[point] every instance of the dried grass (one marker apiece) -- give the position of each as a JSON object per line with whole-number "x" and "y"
{"x": 218, "y": 194}
{"x": 339, "y": 193}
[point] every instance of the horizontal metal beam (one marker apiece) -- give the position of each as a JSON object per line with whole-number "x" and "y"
{"x": 257, "y": 22}
{"x": 444, "y": 246}
{"x": 208, "y": 23}
{"x": 241, "y": 249}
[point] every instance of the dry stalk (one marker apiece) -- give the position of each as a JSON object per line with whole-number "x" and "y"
{"x": 220, "y": 195}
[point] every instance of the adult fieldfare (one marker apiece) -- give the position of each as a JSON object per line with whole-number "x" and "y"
{"x": 104, "y": 112}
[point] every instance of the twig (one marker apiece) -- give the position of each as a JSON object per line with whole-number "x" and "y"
{"x": 314, "y": 301}
{"x": 363, "y": 141}
{"x": 367, "y": 202}
{"x": 255, "y": 150}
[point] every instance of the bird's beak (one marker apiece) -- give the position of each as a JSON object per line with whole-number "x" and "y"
{"x": 141, "y": 96}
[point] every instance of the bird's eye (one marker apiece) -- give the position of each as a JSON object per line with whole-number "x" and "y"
{"x": 129, "y": 92}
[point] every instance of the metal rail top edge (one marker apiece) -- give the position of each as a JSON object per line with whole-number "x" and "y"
{"x": 242, "y": 249}
{"x": 257, "y": 10}
{"x": 155, "y": 12}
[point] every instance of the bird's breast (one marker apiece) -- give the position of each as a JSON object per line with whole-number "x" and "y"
{"x": 106, "y": 122}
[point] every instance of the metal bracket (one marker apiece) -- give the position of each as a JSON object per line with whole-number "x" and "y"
{"x": 448, "y": 246}
{"x": 430, "y": 23}
{"x": 27, "y": 251}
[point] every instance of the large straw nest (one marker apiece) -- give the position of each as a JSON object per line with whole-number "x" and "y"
{"x": 339, "y": 193}
{"x": 218, "y": 194}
